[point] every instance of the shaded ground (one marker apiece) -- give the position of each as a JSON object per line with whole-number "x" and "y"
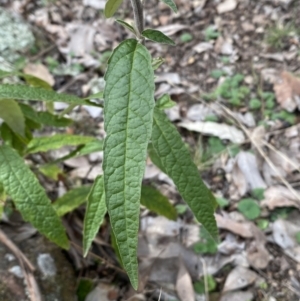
{"x": 225, "y": 70}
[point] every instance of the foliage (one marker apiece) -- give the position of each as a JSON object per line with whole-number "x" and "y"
{"x": 206, "y": 245}
{"x": 231, "y": 90}
{"x": 135, "y": 126}
{"x": 249, "y": 208}
{"x": 277, "y": 35}
{"x": 199, "y": 286}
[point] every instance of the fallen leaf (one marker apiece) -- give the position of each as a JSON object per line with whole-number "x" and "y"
{"x": 82, "y": 39}
{"x": 246, "y": 162}
{"x": 257, "y": 255}
{"x": 238, "y": 278}
{"x": 202, "y": 47}
{"x": 226, "y": 6}
{"x": 237, "y": 296}
{"x": 287, "y": 91}
{"x": 170, "y": 30}
{"x": 221, "y": 130}
{"x": 184, "y": 285}
{"x": 97, "y": 4}
{"x": 279, "y": 196}
{"x": 241, "y": 229}
{"x": 39, "y": 71}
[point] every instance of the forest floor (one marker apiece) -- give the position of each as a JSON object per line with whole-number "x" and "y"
{"x": 233, "y": 76}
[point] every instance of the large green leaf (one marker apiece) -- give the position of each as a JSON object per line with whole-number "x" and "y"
{"x": 157, "y": 202}
{"x": 11, "y": 113}
{"x": 111, "y": 7}
{"x": 71, "y": 200}
{"x": 128, "y": 111}
{"x": 171, "y": 4}
{"x": 95, "y": 212}
{"x": 44, "y": 144}
{"x": 29, "y": 197}
{"x": 157, "y": 36}
{"x": 36, "y": 93}
{"x": 177, "y": 163}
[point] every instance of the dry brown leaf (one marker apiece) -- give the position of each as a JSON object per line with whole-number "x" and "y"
{"x": 279, "y": 196}
{"x": 221, "y": 130}
{"x": 184, "y": 285}
{"x": 40, "y": 71}
{"x": 287, "y": 91}
{"x": 241, "y": 229}
{"x": 226, "y": 6}
{"x": 237, "y": 296}
{"x": 238, "y": 278}
{"x": 257, "y": 255}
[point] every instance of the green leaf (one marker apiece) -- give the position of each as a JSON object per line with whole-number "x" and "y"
{"x": 171, "y": 4}
{"x": 249, "y": 208}
{"x": 206, "y": 245}
{"x": 222, "y": 202}
{"x": 11, "y": 113}
{"x": 298, "y": 237}
{"x": 111, "y": 7}
{"x": 126, "y": 25}
{"x": 199, "y": 286}
{"x": 128, "y": 111}
{"x": 35, "y": 93}
{"x": 254, "y": 104}
{"x": 165, "y": 102}
{"x": 49, "y": 119}
{"x": 258, "y": 193}
{"x": 157, "y": 36}
{"x": 94, "y": 215}
{"x": 157, "y": 62}
{"x": 44, "y": 144}
{"x": 51, "y": 171}
{"x": 177, "y": 163}
{"x": 29, "y": 197}
{"x": 30, "y": 79}
{"x": 157, "y": 202}
{"x": 71, "y": 200}
{"x": 186, "y": 37}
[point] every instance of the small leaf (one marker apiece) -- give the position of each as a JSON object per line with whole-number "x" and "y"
{"x": 157, "y": 62}
{"x": 111, "y": 7}
{"x": 157, "y": 36}
{"x": 171, "y": 4}
{"x": 199, "y": 286}
{"x": 258, "y": 193}
{"x": 51, "y": 171}
{"x": 126, "y": 25}
{"x": 49, "y": 119}
{"x": 158, "y": 203}
{"x": 11, "y": 113}
{"x": 44, "y": 144}
{"x": 128, "y": 111}
{"x": 222, "y": 202}
{"x": 94, "y": 215}
{"x": 249, "y": 208}
{"x": 165, "y": 102}
{"x": 29, "y": 197}
{"x": 35, "y": 93}
{"x": 177, "y": 163}
{"x": 71, "y": 200}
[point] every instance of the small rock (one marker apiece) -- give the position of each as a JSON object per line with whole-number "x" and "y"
{"x": 46, "y": 265}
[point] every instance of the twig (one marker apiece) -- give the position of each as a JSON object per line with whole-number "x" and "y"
{"x": 19, "y": 254}
{"x": 205, "y": 279}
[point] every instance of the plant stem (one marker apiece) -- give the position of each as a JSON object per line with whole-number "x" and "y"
{"x": 138, "y": 13}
